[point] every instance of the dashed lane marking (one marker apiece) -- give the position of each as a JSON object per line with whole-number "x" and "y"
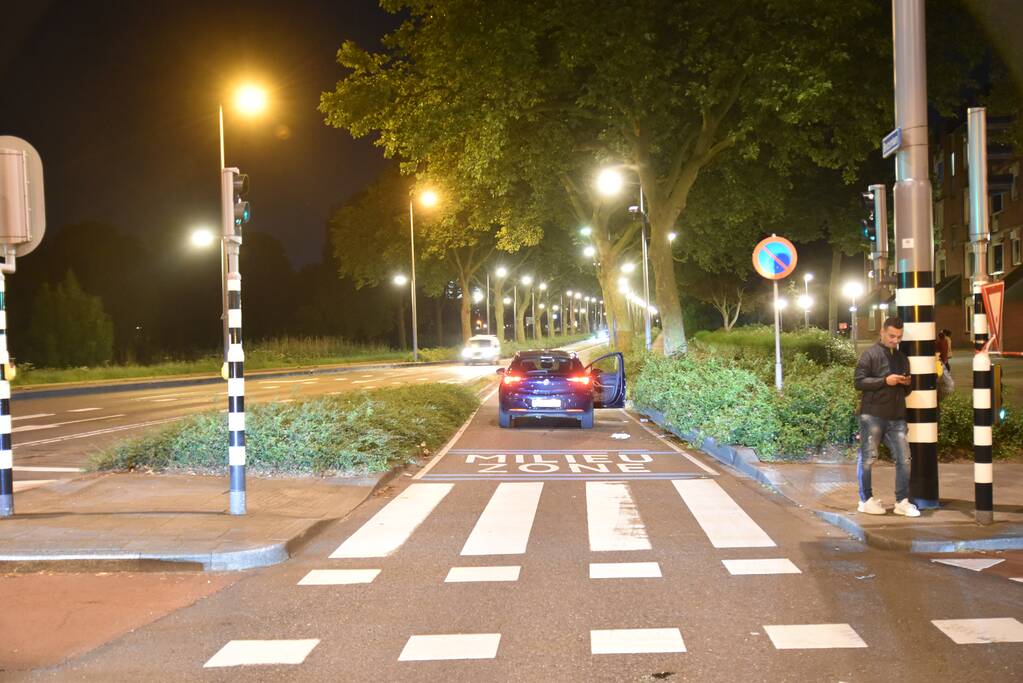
{"x": 27, "y": 468}
{"x": 451, "y": 646}
{"x": 978, "y": 631}
{"x": 33, "y": 428}
{"x": 338, "y": 577}
{"x": 97, "y": 432}
{"x": 813, "y": 636}
{"x": 763, "y": 566}
{"x": 31, "y": 417}
{"x": 31, "y": 484}
{"x": 625, "y": 641}
{"x": 473, "y": 574}
{"x": 250, "y": 652}
{"x": 83, "y": 410}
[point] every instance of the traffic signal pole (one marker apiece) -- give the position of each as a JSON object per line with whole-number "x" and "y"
{"x": 6, "y": 448}
{"x": 234, "y": 213}
{"x": 983, "y": 413}
{"x": 914, "y": 248}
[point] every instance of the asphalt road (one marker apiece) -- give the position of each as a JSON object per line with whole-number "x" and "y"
{"x": 550, "y": 553}
{"x": 54, "y": 437}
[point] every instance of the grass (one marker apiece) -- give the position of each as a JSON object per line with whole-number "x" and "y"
{"x": 357, "y": 432}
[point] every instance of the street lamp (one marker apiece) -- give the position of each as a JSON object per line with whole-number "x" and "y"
{"x": 806, "y": 292}
{"x": 586, "y": 231}
{"x": 852, "y": 291}
{"x": 628, "y": 267}
{"x": 672, "y": 236}
{"x": 400, "y": 280}
{"x": 427, "y": 198}
{"x": 201, "y": 238}
{"x": 806, "y": 303}
{"x": 589, "y": 251}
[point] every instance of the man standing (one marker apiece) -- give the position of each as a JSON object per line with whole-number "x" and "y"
{"x": 882, "y": 374}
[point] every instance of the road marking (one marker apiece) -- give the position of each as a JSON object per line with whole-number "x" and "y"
{"x": 33, "y": 428}
{"x": 163, "y": 400}
{"x": 32, "y": 417}
{"x": 672, "y": 446}
{"x": 625, "y": 641}
{"x": 397, "y": 382}
{"x": 27, "y": 468}
{"x": 454, "y": 439}
{"x": 367, "y": 375}
{"x": 338, "y": 577}
{"x": 720, "y": 517}
{"x": 625, "y": 570}
{"x": 304, "y": 380}
{"x": 765, "y": 566}
{"x": 250, "y": 652}
{"x": 97, "y": 432}
{"x": 83, "y": 410}
{"x": 471, "y": 574}
{"x": 422, "y": 379}
{"x": 340, "y": 379}
{"x": 286, "y": 400}
{"x": 977, "y": 631}
{"x": 1018, "y": 580}
{"x": 977, "y": 565}
{"x": 389, "y": 528}
{"x": 270, "y": 386}
{"x": 612, "y": 518}
{"x": 504, "y": 526}
{"x": 813, "y": 636}
{"x": 361, "y": 381}
{"x": 451, "y": 646}
{"x": 31, "y": 484}
{"x": 159, "y": 396}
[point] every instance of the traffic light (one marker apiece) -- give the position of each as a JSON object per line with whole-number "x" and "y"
{"x": 236, "y": 211}
{"x": 868, "y": 227}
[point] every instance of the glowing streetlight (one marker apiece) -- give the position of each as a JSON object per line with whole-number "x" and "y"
{"x": 672, "y": 236}
{"x": 568, "y": 293}
{"x": 589, "y": 251}
{"x": 201, "y": 238}
{"x": 804, "y": 302}
{"x": 578, "y": 295}
{"x": 250, "y": 99}
{"x": 400, "y": 280}
{"x": 501, "y": 272}
{"x": 852, "y": 290}
{"x": 428, "y": 198}
{"x": 477, "y": 296}
{"x": 506, "y": 300}
{"x": 586, "y": 231}
{"x": 526, "y": 280}
{"x": 628, "y": 267}
{"x": 543, "y": 286}
{"x": 609, "y": 182}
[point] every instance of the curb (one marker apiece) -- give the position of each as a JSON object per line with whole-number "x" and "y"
{"x": 52, "y": 390}
{"x": 745, "y": 461}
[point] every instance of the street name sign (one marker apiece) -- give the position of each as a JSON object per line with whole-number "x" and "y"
{"x": 774, "y": 258}
{"x": 891, "y": 143}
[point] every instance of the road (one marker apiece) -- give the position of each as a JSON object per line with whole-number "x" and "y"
{"x": 550, "y": 553}
{"x": 54, "y": 437}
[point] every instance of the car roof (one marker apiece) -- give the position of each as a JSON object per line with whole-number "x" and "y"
{"x": 534, "y": 353}
{"x": 483, "y": 336}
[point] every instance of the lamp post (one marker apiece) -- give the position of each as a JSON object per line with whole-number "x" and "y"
{"x": 428, "y": 198}
{"x": 852, "y": 291}
{"x": 527, "y": 281}
{"x": 806, "y": 303}
{"x": 500, "y": 301}
{"x": 806, "y": 293}
{"x": 546, "y": 306}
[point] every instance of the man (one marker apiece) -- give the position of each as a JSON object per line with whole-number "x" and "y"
{"x": 882, "y": 374}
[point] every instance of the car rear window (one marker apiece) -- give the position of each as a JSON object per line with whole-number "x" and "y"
{"x": 551, "y": 365}
{"x": 480, "y": 343}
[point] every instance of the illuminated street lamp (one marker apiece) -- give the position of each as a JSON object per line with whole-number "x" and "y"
{"x": 427, "y": 198}
{"x": 806, "y": 292}
{"x": 628, "y": 267}
{"x": 586, "y": 231}
{"x": 852, "y": 290}
{"x": 400, "y": 280}
{"x": 589, "y": 251}
{"x": 806, "y": 303}
{"x": 201, "y": 238}
{"x": 672, "y": 236}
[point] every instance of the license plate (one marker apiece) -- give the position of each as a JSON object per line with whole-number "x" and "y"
{"x": 546, "y": 403}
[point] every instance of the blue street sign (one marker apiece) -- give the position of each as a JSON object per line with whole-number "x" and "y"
{"x": 891, "y": 143}
{"x": 774, "y": 258}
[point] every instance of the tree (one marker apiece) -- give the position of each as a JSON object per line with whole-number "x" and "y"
{"x": 725, "y": 290}
{"x": 69, "y": 327}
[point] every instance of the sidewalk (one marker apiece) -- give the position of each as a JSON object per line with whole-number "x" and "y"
{"x": 140, "y": 521}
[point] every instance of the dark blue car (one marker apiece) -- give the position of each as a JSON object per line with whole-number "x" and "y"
{"x": 554, "y": 383}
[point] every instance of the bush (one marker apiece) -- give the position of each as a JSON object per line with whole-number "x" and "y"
{"x": 365, "y": 431}
{"x": 69, "y": 327}
{"x": 757, "y": 341}
{"x": 817, "y": 410}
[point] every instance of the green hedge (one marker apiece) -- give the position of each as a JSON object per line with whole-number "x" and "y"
{"x": 757, "y": 341}
{"x": 365, "y": 431}
{"x": 955, "y": 431}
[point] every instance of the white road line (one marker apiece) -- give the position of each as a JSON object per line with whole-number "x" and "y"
{"x": 31, "y": 417}
{"x": 813, "y": 636}
{"x": 163, "y": 400}
{"x": 83, "y": 410}
{"x": 367, "y": 375}
{"x": 625, "y": 570}
{"x": 720, "y": 517}
{"x": 451, "y": 646}
{"x": 97, "y": 432}
{"x": 504, "y": 526}
{"x": 304, "y": 380}
{"x": 31, "y": 484}
{"x": 977, "y": 631}
{"x": 389, "y": 528}
{"x": 284, "y": 400}
{"x": 33, "y": 428}
{"x": 671, "y": 445}
{"x": 159, "y": 396}
{"x": 422, "y": 379}
{"x": 250, "y": 652}
{"x": 270, "y": 386}
{"x": 338, "y": 577}
{"x": 765, "y": 566}
{"x": 361, "y": 381}
{"x": 28, "y": 468}
{"x": 612, "y": 518}
{"x": 472, "y": 574}
{"x": 454, "y": 439}
{"x": 624, "y": 641}
{"x": 340, "y": 379}
{"x": 973, "y": 564}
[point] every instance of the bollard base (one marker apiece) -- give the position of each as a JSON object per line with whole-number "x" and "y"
{"x": 984, "y": 516}
{"x": 6, "y": 505}
{"x": 237, "y": 502}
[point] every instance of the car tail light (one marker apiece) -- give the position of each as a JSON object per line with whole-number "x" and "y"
{"x": 512, "y": 379}
{"x": 581, "y": 379}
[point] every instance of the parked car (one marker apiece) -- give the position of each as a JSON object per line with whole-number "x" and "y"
{"x": 482, "y": 348}
{"x": 554, "y": 383}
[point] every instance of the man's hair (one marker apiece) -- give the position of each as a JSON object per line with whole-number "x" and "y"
{"x": 947, "y": 332}
{"x": 894, "y": 321}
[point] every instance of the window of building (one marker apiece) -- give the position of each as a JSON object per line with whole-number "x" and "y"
{"x": 939, "y": 214}
{"x": 951, "y": 165}
{"x": 968, "y": 311}
{"x": 942, "y": 266}
{"x": 1016, "y": 256}
{"x": 997, "y": 203}
{"x": 872, "y": 319}
{"x": 997, "y": 258}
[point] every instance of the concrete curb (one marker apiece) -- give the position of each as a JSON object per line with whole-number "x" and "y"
{"x": 745, "y": 461}
{"x": 51, "y": 390}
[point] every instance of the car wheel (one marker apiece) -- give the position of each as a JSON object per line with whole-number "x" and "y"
{"x": 503, "y": 418}
{"x": 586, "y": 421}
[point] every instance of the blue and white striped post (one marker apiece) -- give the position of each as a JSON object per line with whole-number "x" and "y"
{"x": 235, "y": 384}
{"x": 6, "y": 448}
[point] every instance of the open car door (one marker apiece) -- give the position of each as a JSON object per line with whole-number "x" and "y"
{"x": 608, "y": 373}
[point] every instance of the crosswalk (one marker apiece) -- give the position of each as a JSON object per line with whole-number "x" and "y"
{"x": 504, "y": 527}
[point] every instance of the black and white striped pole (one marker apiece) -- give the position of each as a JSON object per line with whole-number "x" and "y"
{"x": 234, "y": 214}
{"x": 983, "y": 414}
{"x": 914, "y": 248}
{"x": 22, "y": 224}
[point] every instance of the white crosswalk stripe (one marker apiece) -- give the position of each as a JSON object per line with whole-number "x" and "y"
{"x": 720, "y": 517}
{"x": 504, "y": 526}
{"x": 392, "y": 526}
{"x": 613, "y": 519}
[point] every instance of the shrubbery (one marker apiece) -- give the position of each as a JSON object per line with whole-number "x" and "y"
{"x": 364, "y": 431}
{"x": 757, "y": 341}
{"x": 955, "y": 433}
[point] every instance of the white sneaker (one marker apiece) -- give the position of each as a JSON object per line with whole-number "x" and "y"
{"x": 874, "y": 506}
{"x": 904, "y": 507}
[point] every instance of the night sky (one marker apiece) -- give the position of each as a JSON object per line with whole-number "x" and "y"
{"x": 120, "y": 99}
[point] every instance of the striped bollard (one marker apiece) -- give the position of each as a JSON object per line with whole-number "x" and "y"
{"x": 983, "y": 415}
{"x": 6, "y": 452}
{"x": 235, "y": 389}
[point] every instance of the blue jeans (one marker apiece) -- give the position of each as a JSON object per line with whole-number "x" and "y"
{"x": 872, "y": 430}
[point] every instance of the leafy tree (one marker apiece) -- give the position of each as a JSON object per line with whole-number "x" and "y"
{"x": 69, "y": 327}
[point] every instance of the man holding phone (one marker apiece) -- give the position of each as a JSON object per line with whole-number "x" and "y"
{"x": 882, "y": 374}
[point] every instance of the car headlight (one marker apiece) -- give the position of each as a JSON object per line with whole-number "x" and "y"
{"x": 466, "y": 353}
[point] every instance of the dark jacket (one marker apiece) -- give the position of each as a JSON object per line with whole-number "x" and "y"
{"x": 879, "y": 399}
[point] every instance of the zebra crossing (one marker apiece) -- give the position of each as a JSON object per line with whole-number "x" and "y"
{"x": 504, "y": 528}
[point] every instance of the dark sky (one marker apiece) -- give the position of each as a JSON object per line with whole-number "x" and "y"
{"x": 120, "y": 99}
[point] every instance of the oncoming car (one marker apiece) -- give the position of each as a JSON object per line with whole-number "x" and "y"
{"x": 483, "y": 348}
{"x": 548, "y": 383}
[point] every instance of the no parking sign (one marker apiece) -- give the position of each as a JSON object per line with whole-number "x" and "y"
{"x": 774, "y": 258}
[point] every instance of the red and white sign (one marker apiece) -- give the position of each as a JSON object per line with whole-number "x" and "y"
{"x": 994, "y": 296}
